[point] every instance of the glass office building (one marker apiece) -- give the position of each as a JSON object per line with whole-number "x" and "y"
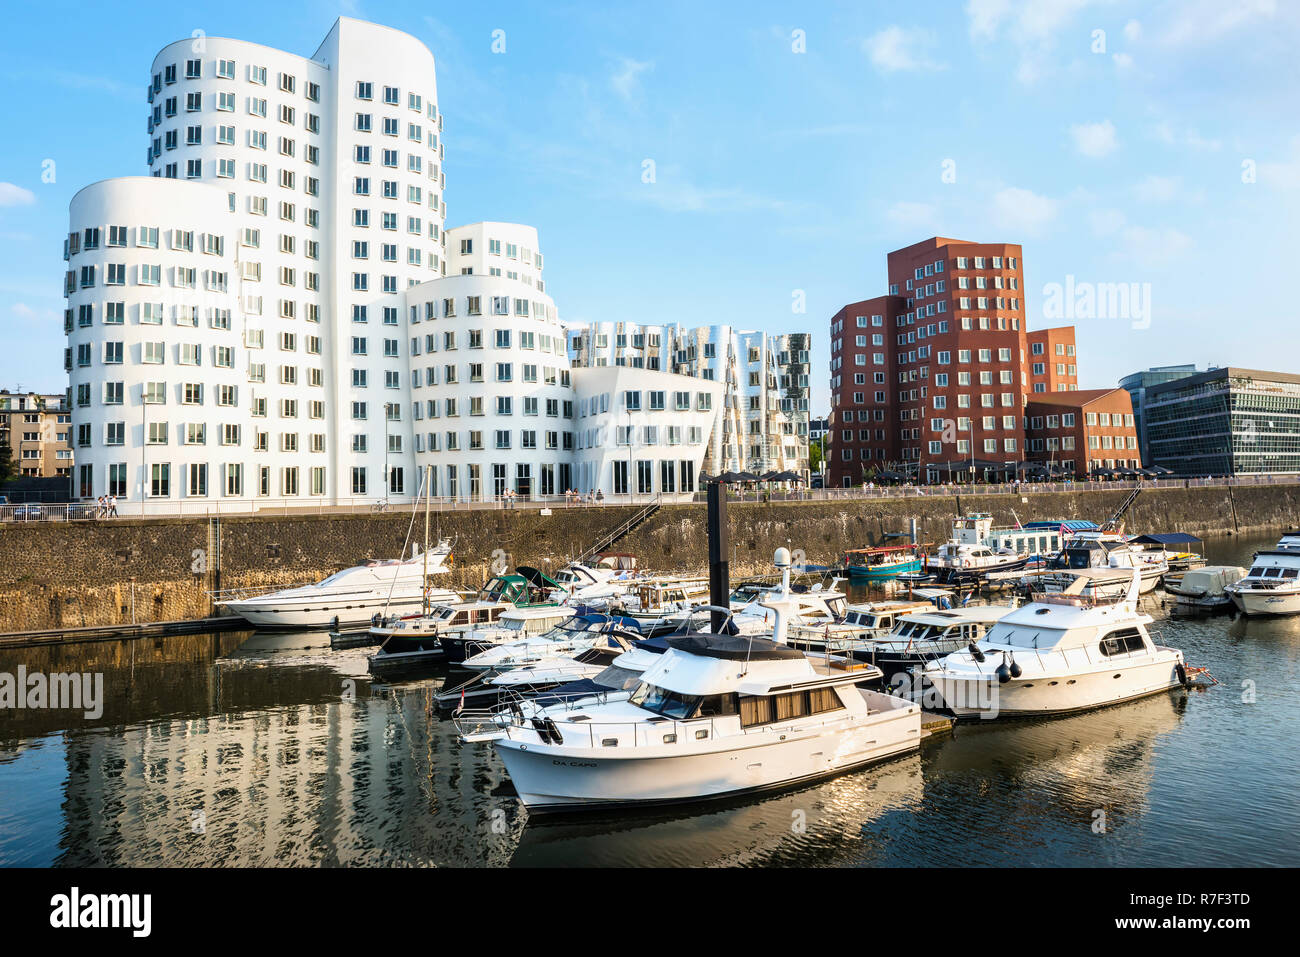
{"x": 1226, "y": 422}
{"x": 1137, "y": 384}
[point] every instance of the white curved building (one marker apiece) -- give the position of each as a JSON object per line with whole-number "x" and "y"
{"x": 155, "y": 341}
{"x": 763, "y": 420}
{"x": 328, "y": 172}
{"x": 491, "y": 396}
{"x": 277, "y": 314}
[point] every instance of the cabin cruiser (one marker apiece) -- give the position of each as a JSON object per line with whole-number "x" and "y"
{"x": 861, "y": 622}
{"x": 354, "y": 595}
{"x": 717, "y": 715}
{"x": 1206, "y": 587}
{"x": 924, "y": 636}
{"x": 514, "y": 625}
{"x": 976, "y": 549}
{"x": 1059, "y": 653}
{"x": 1272, "y": 586}
{"x": 882, "y": 563}
{"x": 657, "y": 603}
{"x": 608, "y": 577}
{"x": 569, "y": 637}
{"x": 1104, "y": 560}
{"x": 419, "y": 632}
{"x": 615, "y": 681}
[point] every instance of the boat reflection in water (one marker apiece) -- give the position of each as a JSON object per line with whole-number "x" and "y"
{"x": 839, "y": 821}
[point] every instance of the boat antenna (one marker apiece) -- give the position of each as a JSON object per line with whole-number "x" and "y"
{"x": 1134, "y": 589}
{"x": 424, "y": 583}
{"x": 397, "y": 569}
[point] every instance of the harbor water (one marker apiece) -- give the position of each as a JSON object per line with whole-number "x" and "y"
{"x": 272, "y": 749}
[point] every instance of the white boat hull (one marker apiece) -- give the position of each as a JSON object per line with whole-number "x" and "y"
{"x": 321, "y": 612}
{"x": 1056, "y": 694}
{"x": 1266, "y": 602}
{"x": 555, "y": 777}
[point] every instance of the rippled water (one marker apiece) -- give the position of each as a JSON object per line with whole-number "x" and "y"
{"x": 240, "y": 749}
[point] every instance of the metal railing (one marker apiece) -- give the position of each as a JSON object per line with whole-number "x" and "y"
{"x": 201, "y": 507}
{"x": 749, "y": 493}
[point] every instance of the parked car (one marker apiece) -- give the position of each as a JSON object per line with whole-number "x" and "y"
{"x": 82, "y": 510}
{"x": 27, "y": 513}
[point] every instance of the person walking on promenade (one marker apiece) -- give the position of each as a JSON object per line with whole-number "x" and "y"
{"x": 112, "y": 506}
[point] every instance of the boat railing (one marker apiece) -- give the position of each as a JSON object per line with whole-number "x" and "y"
{"x": 650, "y": 732}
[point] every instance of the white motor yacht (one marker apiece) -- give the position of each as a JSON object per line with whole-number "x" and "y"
{"x": 714, "y": 716}
{"x": 929, "y": 634}
{"x": 514, "y": 625}
{"x": 567, "y": 638}
{"x": 1058, "y": 654}
{"x": 353, "y": 596}
{"x": 1106, "y": 559}
{"x": 1272, "y": 586}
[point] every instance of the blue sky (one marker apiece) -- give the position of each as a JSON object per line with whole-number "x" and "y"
{"x": 1165, "y": 153}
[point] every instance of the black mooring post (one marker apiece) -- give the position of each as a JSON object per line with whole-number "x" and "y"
{"x": 719, "y": 577}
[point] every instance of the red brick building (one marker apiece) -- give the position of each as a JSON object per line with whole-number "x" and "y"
{"x": 1082, "y": 430}
{"x": 1050, "y": 362}
{"x": 919, "y": 375}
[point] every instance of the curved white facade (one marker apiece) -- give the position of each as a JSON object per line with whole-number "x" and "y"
{"x": 155, "y": 346}
{"x": 492, "y": 399}
{"x": 277, "y": 314}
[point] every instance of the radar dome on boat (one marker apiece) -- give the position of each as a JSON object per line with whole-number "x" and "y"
{"x": 782, "y": 558}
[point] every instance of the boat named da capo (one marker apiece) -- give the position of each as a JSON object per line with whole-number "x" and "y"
{"x": 716, "y": 715}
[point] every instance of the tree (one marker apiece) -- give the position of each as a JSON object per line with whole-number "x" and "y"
{"x": 8, "y": 467}
{"x": 815, "y": 456}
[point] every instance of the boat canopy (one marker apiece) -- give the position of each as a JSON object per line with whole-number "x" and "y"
{"x": 1070, "y": 525}
{"x": 734, "y": 647}
{"x": 1167, "y": 538}
{"x": 537, "y": 578}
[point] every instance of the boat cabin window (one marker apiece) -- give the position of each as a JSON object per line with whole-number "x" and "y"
{"x": 1122, "y": 642}
{"x": 619, "y": 679}
{"x": 671, "y": 704}
{"x": 765, "y": 709}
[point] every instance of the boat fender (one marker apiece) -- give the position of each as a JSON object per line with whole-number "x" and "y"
{"x": 1003, "y": 673}
{"x": 1181, "y": 670}
{"x": 975, "y": 651}
{"x": 1015, "y": 668}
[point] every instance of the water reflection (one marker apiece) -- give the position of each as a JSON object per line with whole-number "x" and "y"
{"x": 263, "y": 749}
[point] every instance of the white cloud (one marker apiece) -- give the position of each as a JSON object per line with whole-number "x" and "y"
{"x": 1122, "y": 61}
{"x": 1159, "y": 189}
{"x": 1190, "y": 138}
{"x": 11, "y": 195}
{"x": 30, "y": 314}
{"x": 1094, "y": 139}
{"x": 1196, "y": 22}
{"x": 911, "y": 215}
{"x": 1283, "y": 174}
{"x": 626, "y": 80}
{"x": 1132, "y": 31}
{"x": 1156, "y": 247}
{"x": 1023, "y": 210}
{"x": 894, "y": 49}
{"x": 1106, "y": 222}
{"x": 1031, "y": 26}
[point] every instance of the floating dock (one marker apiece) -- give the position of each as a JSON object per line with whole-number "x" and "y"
{"x": 124, "y": 632}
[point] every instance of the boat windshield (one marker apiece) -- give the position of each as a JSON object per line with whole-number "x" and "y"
{"x": 661, "y": 701}
{"x": 670, "y": 704}
{"x": 620, "y": 679}
{"x": 572, "y": 627}
{"x": 1021, "y": 637}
